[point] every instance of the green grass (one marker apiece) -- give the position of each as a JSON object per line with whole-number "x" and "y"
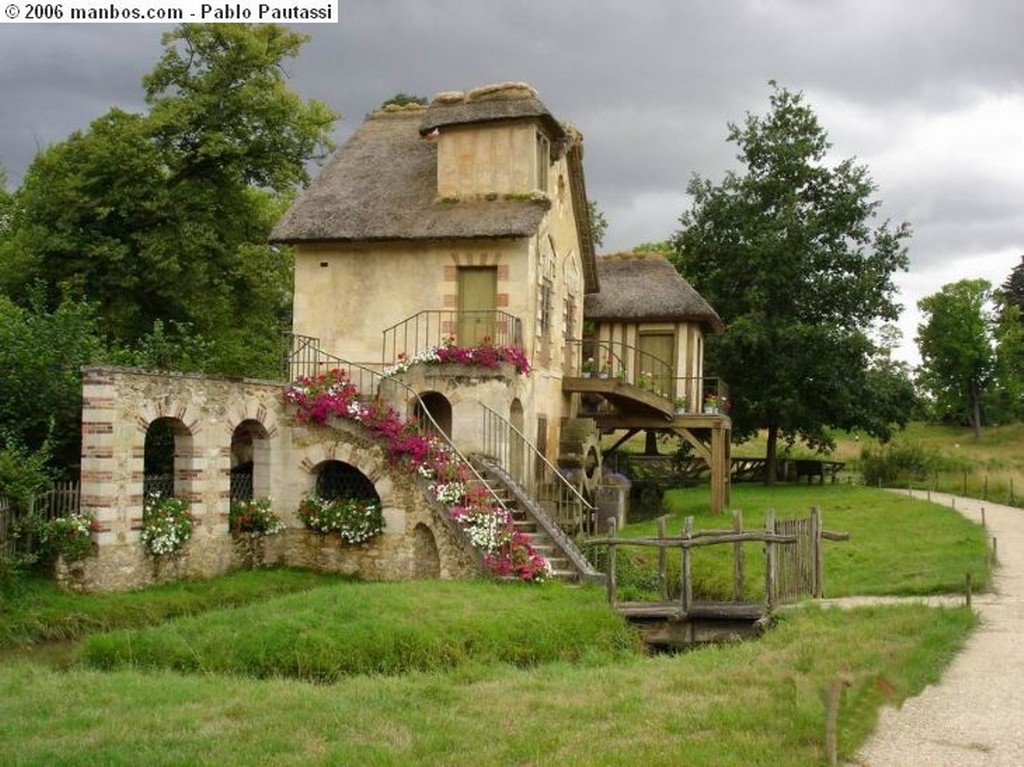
{"x": 379, "y": 628}
{"x": 756, "y": 703}
{"x": 897, "y": 545}
{"x": 35, "y": 609}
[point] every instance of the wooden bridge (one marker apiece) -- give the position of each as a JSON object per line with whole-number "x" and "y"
{"x": 793, "y": 567}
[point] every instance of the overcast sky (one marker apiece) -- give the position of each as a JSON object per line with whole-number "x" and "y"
{"x": 929, "y": 94}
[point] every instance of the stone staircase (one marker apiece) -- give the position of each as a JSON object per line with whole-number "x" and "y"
{"x": 567, "y": 562}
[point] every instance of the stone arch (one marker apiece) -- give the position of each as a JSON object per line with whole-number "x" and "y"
{"x": 366, "y": 460}
{"x": 440, "y": 409}
{"x": 250, "y": 461}
{"x": 426, "y": 560}
{"x": 337, "y": 479}
{"x": 167, "y": 464}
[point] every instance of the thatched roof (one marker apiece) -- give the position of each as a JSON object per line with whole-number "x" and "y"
{"x": 503, "y": 101}
{"x": 646, "y": 287}
{"x": 382, "y": 184}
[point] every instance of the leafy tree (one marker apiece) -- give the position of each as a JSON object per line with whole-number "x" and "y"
{"x": 955, "y": 342}
{"x": 1013, "y": 289}
{"x": 164, "y": 217}
{"x": 598, "y": 223}
{"x": 1008, "y": 373}
{"x": 41, "y": 355}
{"x": 786, "y": 254}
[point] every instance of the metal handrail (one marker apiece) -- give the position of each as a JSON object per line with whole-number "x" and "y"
{"x": 322, "y": 361}
{"x": 433, "y": 327}
{"x": 546, "y": 484}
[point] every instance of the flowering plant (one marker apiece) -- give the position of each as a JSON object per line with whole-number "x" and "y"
{"x": 254, "y": 517}
{"x": 354, "y": 521}
{"x": 606, "y": 366}
{"x": 67, "y": 536}
{"x": 588, "y": 365}
{"x": 711, "y": 401}
{"x": 486, "y": 355}
{"x": 166, "y": 524}
{"x": 486, "y": 523}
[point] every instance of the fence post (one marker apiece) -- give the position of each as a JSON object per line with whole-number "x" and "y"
{"x": 610, "y": 577}
{"x": 769, "y": 561}
{"x": 662, "y": 570}
{"x": 737, "y": 558}
{"x": 817, "y": 555}
{"x": 686, "y": 585}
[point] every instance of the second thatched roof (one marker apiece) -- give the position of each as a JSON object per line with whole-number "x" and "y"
{"x": 646, "y": 287}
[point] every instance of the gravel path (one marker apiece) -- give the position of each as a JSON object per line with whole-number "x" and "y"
{"x": 975, "y": 715}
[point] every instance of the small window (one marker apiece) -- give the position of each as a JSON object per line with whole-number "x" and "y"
{"x": 543, "y": 161}
{"x": 546, "y": 299}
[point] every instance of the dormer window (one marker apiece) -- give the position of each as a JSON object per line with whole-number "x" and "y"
{"x": 543, "y": 161}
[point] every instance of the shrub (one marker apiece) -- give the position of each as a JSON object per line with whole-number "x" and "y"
{"x": 254, "y": 517}
{"x": 355, "y": 521}
{"x": 897, "y": 462}
{"x": 166, "y": 524}
{"x": 67, "y": 537}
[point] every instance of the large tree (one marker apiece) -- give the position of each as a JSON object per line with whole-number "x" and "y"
{"x": 955, "y": 342}
{"x": 163, "y": 217}
{"x": 788, "y": 254}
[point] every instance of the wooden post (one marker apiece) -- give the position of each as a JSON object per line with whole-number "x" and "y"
{"x": 983, "y": 516}
{"x": 662, "y": 570}
{"x": 969, "y": 580}
{"x": 610, "y": 578}
{"x": 738, "y": 563}
{"x": 769, "y": 561}
{"x": 686, "y": 581}
{"x": 995, "y": 551}
{"x": 818, "y": 588}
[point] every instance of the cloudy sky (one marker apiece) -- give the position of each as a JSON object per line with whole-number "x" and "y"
{"x": 929, "y": 94}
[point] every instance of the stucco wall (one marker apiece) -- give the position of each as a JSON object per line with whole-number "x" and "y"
{"x": 119, "y": 407}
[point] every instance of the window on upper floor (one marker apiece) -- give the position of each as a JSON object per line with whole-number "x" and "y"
{"x": 543, "y": 161}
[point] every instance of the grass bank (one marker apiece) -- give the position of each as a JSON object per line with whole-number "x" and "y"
{"x": 897, "y": 546}
{"x": 380, "y": 628}
{"x": 757, "y": 703}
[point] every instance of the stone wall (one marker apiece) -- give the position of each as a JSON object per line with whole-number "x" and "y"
{"x": 120, "y": 405}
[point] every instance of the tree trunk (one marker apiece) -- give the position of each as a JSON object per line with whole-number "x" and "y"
{"x": 975, "y": 416}
{"x": 771, "y": 455}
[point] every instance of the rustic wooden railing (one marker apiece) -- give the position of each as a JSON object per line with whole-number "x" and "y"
{"x": 616, "y": 359}
{"x": 794, "y": 564}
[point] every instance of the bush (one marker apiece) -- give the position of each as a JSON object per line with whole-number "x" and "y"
{"x": 355, "y": 521}
{"x": 166, "y": 524}
{"x": 897, "y": 463}
{"x": 67, "y": 537}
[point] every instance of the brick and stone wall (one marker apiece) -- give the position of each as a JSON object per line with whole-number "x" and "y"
{"x": 120, "y": 405}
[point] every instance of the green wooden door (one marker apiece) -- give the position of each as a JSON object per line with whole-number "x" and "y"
{"x": 657, "y": 362}
{"x": 478, "y": 297}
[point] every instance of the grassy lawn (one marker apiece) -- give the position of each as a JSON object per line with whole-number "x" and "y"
{"x": 290, "y": 668}
{"x": 756, "y": 703}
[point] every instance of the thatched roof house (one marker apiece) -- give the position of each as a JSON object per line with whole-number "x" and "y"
{"x": 645, "y": 287}
{"x": 382, "y": 185}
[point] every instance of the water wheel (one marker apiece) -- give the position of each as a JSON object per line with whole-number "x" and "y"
{"x": 579, "y": 451}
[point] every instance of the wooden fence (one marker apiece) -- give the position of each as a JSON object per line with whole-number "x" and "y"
{"x": 61, "y": 499}
{"x": 794, "y": 566}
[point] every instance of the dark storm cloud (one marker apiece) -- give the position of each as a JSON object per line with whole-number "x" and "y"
{"x": 915, "y": 89}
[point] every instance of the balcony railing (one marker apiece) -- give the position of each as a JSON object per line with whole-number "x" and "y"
{"x": 604, "y": 359}
{"x": 433, "y": 327}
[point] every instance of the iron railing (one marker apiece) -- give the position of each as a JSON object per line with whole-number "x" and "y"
{"x": 311, "y": 361}
{"x": 433, "y": 327}
{"x": 531, "y": 470}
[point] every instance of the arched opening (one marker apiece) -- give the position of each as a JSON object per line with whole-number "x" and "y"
{"x": 167, "y": 456}
{"x": 516, "y": 445}
{"x": 337, "y": 480}
{"x": 440, "y": 410}
{"x": 250, "y": 462}
{"x": 426, "y": 562}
